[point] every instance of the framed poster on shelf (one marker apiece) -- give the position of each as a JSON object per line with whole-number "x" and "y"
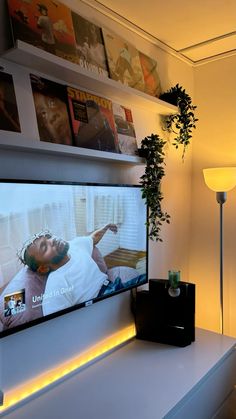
{"x": 89, "y": 45}
{"x": 150, "y": 75}
{"x": 125, "y": 129}
{"x": 92, "y": 121}
{"x": 123, "y": 61}
{"x": 9, "y": 118}
{"x": 46, "y": 25}
{"x": 51, "y": 107}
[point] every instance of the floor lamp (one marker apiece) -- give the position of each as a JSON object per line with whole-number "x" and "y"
{"x": 221, "y": 180}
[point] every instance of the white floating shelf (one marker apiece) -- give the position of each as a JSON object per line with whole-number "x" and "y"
{"x": 19, "y": 142}
{"x": 44, "y": 62}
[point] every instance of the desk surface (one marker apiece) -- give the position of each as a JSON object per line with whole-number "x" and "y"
{"x": 140, "y": 380}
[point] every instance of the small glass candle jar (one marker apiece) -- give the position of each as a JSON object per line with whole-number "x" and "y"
{"x": 174, "y": 278}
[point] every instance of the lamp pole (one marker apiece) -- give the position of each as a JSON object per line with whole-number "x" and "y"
{"x": 221, "y": 198}
{"x": 221, "y": 179}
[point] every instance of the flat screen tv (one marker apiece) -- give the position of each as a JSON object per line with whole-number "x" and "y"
{"x": 67, "y": 245}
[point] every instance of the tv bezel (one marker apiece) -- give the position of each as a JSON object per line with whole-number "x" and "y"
{"x": 60, "y": 313}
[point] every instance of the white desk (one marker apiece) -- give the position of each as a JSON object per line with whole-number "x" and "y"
{"x": 144, "y": 380}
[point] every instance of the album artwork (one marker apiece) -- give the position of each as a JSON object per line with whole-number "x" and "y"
{"x": 123, "y": 61}
{"x": 46, "y": 24}
{"x": 125, "y": 129}
{"x": 14, "y": 303}
{"x": 51, "y": 107}
{"x": 89, "y": 45}
{"x": 9, "y": 118}
{"x": 150, "y": 75}
{"x": 92, "y": 121}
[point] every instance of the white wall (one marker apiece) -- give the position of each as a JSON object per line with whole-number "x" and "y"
{"x": 34, "y": 350}
{"x": 214, "y": 146}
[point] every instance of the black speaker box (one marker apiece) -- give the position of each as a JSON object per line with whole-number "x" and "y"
{"x": 160, "y": 317}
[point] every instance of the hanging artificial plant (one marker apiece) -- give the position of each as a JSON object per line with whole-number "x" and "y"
{"x": 182, "y": 123}
{"x": 152, "y": 149}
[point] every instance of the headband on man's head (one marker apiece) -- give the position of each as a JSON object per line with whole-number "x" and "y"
{"x": 31, "y": 240}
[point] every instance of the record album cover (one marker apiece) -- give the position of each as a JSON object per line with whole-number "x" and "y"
{"x": 125, "y": 129}
{"x": 89, "y": 45}
{"x": 92, "y": 121}
{"x": 123, "y": 61}
{"x": 46, "y": 24}
{"x": 9, "y": 118}
{"x": 150, "y": 75}
{"x": 50, "y": 100}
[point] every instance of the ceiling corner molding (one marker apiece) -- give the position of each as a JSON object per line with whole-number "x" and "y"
{"x": 181, "y": 54}
{"x": 214, "y": 58}
{"x": 136, "y": 29}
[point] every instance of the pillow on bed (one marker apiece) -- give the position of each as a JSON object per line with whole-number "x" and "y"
{"x": 34, "y": 285}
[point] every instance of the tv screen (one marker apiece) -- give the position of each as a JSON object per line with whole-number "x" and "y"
{"x": 67, "y": 245}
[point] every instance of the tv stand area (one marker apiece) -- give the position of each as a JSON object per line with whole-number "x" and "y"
{"x": 144, "y": 380}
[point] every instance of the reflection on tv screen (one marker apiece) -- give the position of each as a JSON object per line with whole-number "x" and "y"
{"x": 65, "y": 246}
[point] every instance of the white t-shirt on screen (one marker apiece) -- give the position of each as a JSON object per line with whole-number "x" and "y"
{"x": 77, "y": 281}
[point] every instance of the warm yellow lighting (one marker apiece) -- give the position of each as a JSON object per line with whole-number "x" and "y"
{"x": 16, "y": 395}
{"x": 220, "y": 179}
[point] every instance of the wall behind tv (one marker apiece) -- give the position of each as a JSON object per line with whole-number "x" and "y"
{"x": 29, "y": 353}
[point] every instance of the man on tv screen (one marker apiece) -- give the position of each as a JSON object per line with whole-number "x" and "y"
{"x": 74, "y": 277}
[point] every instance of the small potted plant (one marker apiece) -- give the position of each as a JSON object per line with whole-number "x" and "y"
{"x": 182, "y": 123}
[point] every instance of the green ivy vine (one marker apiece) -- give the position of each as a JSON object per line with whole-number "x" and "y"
{"x": 152, "y": 148}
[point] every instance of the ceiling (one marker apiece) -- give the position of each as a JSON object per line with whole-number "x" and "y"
{"x": 196, "y": 30}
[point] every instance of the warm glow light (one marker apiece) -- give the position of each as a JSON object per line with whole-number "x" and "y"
{"x": 220, "y": 179}
{"x": 16, "y": 395}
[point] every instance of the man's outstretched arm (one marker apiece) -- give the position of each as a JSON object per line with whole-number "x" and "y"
{"x": 98, "y": 234}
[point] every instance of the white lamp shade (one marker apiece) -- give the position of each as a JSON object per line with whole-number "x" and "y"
{"x": 220, "y": 179}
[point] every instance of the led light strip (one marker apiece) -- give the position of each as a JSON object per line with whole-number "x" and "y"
{"x": 39, "y": 383}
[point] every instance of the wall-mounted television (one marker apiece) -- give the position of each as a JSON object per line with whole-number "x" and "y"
{"x": 67, "y": 245}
